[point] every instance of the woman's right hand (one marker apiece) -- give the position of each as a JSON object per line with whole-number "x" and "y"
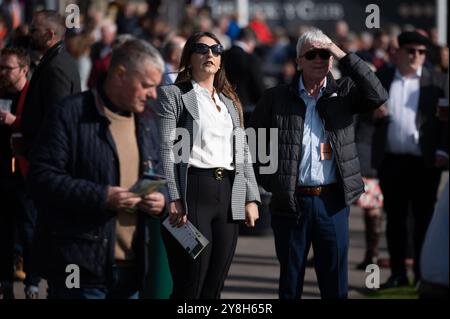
{"x": 177, "y": 215}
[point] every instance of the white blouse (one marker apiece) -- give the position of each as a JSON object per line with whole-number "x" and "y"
{"x": 213, "y": 146}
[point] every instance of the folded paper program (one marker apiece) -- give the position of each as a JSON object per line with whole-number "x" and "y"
{"x": 146, "y": 185}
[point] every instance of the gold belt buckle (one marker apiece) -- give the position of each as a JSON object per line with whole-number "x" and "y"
{"x": 317, "y": 190}
{"x": 218, "y": 173}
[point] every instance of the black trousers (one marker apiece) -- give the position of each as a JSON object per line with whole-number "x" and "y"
{"x": 407, "y": 185}
{"x": 209, "y": 209}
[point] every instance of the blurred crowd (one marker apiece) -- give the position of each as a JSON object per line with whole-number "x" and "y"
{"x": 103, "y": 22}
{"x": 257, "y": 57}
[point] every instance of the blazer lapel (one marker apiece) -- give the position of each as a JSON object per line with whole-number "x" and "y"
{"x": 230, "y": 106}
{"x": 190, "y": 103}
{"x": 424, "y": 105}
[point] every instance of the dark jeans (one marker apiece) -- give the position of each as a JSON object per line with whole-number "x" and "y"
{"x": 324, "y": 224}
{"x": 209, "y": 205}
{"x": 124, "y": 285}
{"x": 17, "y": 220}
{"x": 407, "y": 184}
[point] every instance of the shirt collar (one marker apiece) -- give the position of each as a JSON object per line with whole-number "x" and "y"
{"x": 201, "y": 90}
{"x": 418, "y": 73}
{"x": 303, "y": 90}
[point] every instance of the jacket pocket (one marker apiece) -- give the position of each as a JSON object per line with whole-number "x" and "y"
{"x": 87, "y": 251}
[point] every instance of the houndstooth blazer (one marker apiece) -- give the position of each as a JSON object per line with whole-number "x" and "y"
{"x": 177, "y": 107}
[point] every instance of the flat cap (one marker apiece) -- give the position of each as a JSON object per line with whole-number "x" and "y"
{"x": 412, "y": 37}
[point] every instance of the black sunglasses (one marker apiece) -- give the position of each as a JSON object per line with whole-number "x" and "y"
{"x": 201, "y": 48}
{"x": 311, "y": 55}
{"x": 413, "y": 51}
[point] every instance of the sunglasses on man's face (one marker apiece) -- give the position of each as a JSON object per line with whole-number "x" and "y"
{"x": 413, "y": 51}
{"x": 311, "y": 55}
{"x": 202, "y": 48}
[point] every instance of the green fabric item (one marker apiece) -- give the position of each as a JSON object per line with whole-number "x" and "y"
{"x": 159, "y": 284}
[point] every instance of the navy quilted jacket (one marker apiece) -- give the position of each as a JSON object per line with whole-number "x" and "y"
{"x": 73, "y": 162}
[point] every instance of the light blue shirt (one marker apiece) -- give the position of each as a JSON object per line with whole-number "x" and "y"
{"x": 313, "y": 170}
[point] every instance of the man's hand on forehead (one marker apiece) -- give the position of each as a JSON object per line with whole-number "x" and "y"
{"x": 321, "y": 45}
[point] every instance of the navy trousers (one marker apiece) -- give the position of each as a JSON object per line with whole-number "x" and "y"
{"x": 323, "y": 222}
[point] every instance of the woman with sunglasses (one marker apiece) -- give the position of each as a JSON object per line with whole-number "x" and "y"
{"x": 209, "y": 184}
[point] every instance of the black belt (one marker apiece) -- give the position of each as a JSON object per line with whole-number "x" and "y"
{"x": 316, "y": 190}
{"x": 218, "y": 173}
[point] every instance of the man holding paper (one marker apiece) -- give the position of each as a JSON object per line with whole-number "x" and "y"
{"x": 93, "y": 148}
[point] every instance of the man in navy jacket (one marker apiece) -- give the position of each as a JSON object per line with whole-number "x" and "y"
{"x": 91, "y": 149}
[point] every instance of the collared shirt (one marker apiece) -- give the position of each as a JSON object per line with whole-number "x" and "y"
{"x": 214, "y": 146}
{"x": 403, "y": 103}
{"x": 313, "y": 170}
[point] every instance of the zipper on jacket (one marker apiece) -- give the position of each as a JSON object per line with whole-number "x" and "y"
{"x": 298, "y": 164}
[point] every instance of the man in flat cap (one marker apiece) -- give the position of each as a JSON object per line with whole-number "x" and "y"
{"x": 410, "y": 150}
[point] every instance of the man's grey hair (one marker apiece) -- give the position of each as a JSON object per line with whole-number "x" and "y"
{"x": 53, "y": 20}
{"x": 133, "y": 53}
{"x": 310, "y": 36}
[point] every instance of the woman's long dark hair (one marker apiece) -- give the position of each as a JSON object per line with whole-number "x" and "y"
{"x": 221, "y": 83}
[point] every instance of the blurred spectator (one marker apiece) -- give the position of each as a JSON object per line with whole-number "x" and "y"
{"x": 371, "y": 201}
{"x": 378, "y": 55}
{"x": 410, "y": 150}
{"x": 55, "y": 77}
{"x": 101, "y": 66}
{"x": 233, "y": 27}
{"x": 20, "y": 37}
{"x": 288, "y": 71}
{"x": 434, "y": 259}
{"x": 203, "y": 23}
{"x": 79, "y": 45}
{"x": 103, "y": 47}
{"x": 262, "y": 30}
{"x": 20, "y": 213}
{"x": 366, "y": 41}
{"x": 341, "y": 31}
{"x": 350, "y": 43}
{"x": 278, "y": 53}
{"x": 220, "y": 30}
{"x": 243, "y": 69}
{"x": 128, "y": 20}
{"x": 434, "y": 48}
{"x": 3, "y": 31}
{"x": 172, "y": 56}
{"x": 101, "y": 52}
